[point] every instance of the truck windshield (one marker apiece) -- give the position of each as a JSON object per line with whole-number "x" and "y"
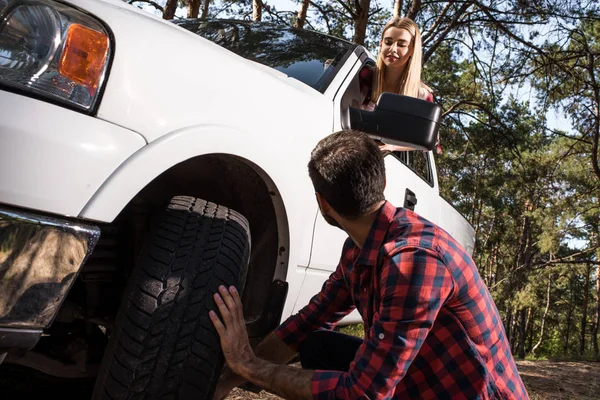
{"x": 305, "y": 55}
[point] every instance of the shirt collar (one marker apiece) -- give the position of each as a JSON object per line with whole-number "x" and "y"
{"x": 370, "y": 250}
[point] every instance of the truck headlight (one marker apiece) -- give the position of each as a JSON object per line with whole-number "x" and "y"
{"x": 53, "y": 51}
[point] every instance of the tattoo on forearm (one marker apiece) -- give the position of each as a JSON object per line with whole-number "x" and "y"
{"x": 288, "y": 382}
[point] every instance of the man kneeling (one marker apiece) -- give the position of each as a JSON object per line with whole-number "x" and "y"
{"x": 432, "y": 330}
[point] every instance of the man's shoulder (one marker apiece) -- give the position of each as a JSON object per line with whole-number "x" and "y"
{"x": 410, "y": 229}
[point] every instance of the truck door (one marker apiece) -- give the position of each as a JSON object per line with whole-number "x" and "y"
{"x": 404, "y": 187}
{"x": 421, "y": 195}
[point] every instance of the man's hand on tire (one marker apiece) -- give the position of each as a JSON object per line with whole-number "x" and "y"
{"x": 232, "y": 330}
{"x": 283, "y": 380}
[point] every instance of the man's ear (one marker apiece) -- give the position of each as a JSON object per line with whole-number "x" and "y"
{"x": 323, "y": 204}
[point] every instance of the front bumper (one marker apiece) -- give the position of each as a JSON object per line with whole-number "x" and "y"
{"x": 40, "y": 257}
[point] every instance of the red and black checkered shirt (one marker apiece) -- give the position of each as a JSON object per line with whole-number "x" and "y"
{"x": 432, "y": 330}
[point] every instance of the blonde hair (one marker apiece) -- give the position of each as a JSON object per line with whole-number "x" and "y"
{"x": 410, "y": 80}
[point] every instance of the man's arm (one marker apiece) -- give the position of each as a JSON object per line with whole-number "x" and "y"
{"x": 289, "y": 382}
{"x": 271, "y": 348}
{"x": 324, "y": 309}
{"x": 322, "y": 312}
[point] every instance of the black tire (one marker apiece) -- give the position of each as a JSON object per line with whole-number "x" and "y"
{"x": 164, "y": 345}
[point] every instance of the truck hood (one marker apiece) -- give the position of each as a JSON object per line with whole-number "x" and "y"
{"x": 164, "y": 78}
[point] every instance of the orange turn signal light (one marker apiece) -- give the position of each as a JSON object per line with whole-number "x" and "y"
{"x": 84, "y": 56}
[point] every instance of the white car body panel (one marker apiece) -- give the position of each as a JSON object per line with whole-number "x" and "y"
{"x": 457, "y": 226}
{"x": 53, "y": 159}
{"x": 428, "y": 199}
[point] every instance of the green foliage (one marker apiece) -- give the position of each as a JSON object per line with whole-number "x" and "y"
{"x": 357, "y": 330}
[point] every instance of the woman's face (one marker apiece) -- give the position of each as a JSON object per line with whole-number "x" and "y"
{"x": 395, "y": 47}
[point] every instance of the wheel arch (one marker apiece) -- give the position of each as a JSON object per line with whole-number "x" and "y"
{"x": 198, "y": 162}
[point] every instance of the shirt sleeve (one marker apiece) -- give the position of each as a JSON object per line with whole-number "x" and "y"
{"x": 414, "y": 284}
{"x": 324, "y": 310}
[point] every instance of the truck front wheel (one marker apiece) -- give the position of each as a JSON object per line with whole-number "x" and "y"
{"x": 164, "y": 345}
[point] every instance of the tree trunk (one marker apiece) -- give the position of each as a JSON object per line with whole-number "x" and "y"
{"x": 569, "y": 315}
{"x": 205, "y": 6}
{"x": 596, "y": 317}
{"x": 508, "y": 323}
{"x": 360, "y": 23}
{"x": 530, "y": 325}
{"x": 586, "y": 293}
{"x": 522, "y": 258}
{"x": 397, "y": 7}
{"x": 414, "y": 9}
{"x": 596, "y": 131}
{"x": 515, "y": 332}
{"x": 256, "y": 10}
{"x": 494, "y": 266}
{"x": 193, "y": 8}
{"x": 301, "y": 18}
{"x": 170, "y": 9}
{"x": 543, "y": 324}
{"x": 522, "y": 334}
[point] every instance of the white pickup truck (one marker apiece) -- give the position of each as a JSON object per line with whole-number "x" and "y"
{"x": 126, "y": 144}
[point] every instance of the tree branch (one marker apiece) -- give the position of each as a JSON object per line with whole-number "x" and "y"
{"x": 460, "y": 103}
{"x": 377, "y": 11}
{"x": 347, "y": 8}
{"x": 442, "y": 36}
{"x": 436, "y": 23}
{"x": 269, "y": 11}
{"x": 503, "y": 28}
{"x": 565, "y": 259}
{"x": 324, "y": 14}
{"x": 596, "y": 112}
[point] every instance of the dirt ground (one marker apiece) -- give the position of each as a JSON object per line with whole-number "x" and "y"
{"x": 553, "y": 380}
{"x": 545, "y": 380}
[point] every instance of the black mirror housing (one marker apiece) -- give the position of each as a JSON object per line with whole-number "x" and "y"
{"x": 400, "y": 120}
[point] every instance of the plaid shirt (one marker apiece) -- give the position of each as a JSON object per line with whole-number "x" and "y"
{"x": 432, "y": 330}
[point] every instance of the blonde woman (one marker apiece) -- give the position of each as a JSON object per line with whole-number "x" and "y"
{"x": 399, "y": 66}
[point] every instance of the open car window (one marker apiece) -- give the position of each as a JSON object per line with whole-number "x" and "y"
{"x": 357, "y": 93}
{"x": 307, "y": 56}
{"x": 418, "y": 161}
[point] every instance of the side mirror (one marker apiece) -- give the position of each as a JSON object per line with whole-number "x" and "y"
{"x": 400, "y": 120}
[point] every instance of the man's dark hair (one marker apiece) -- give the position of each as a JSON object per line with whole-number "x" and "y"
{"x": 348, "y": 171}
